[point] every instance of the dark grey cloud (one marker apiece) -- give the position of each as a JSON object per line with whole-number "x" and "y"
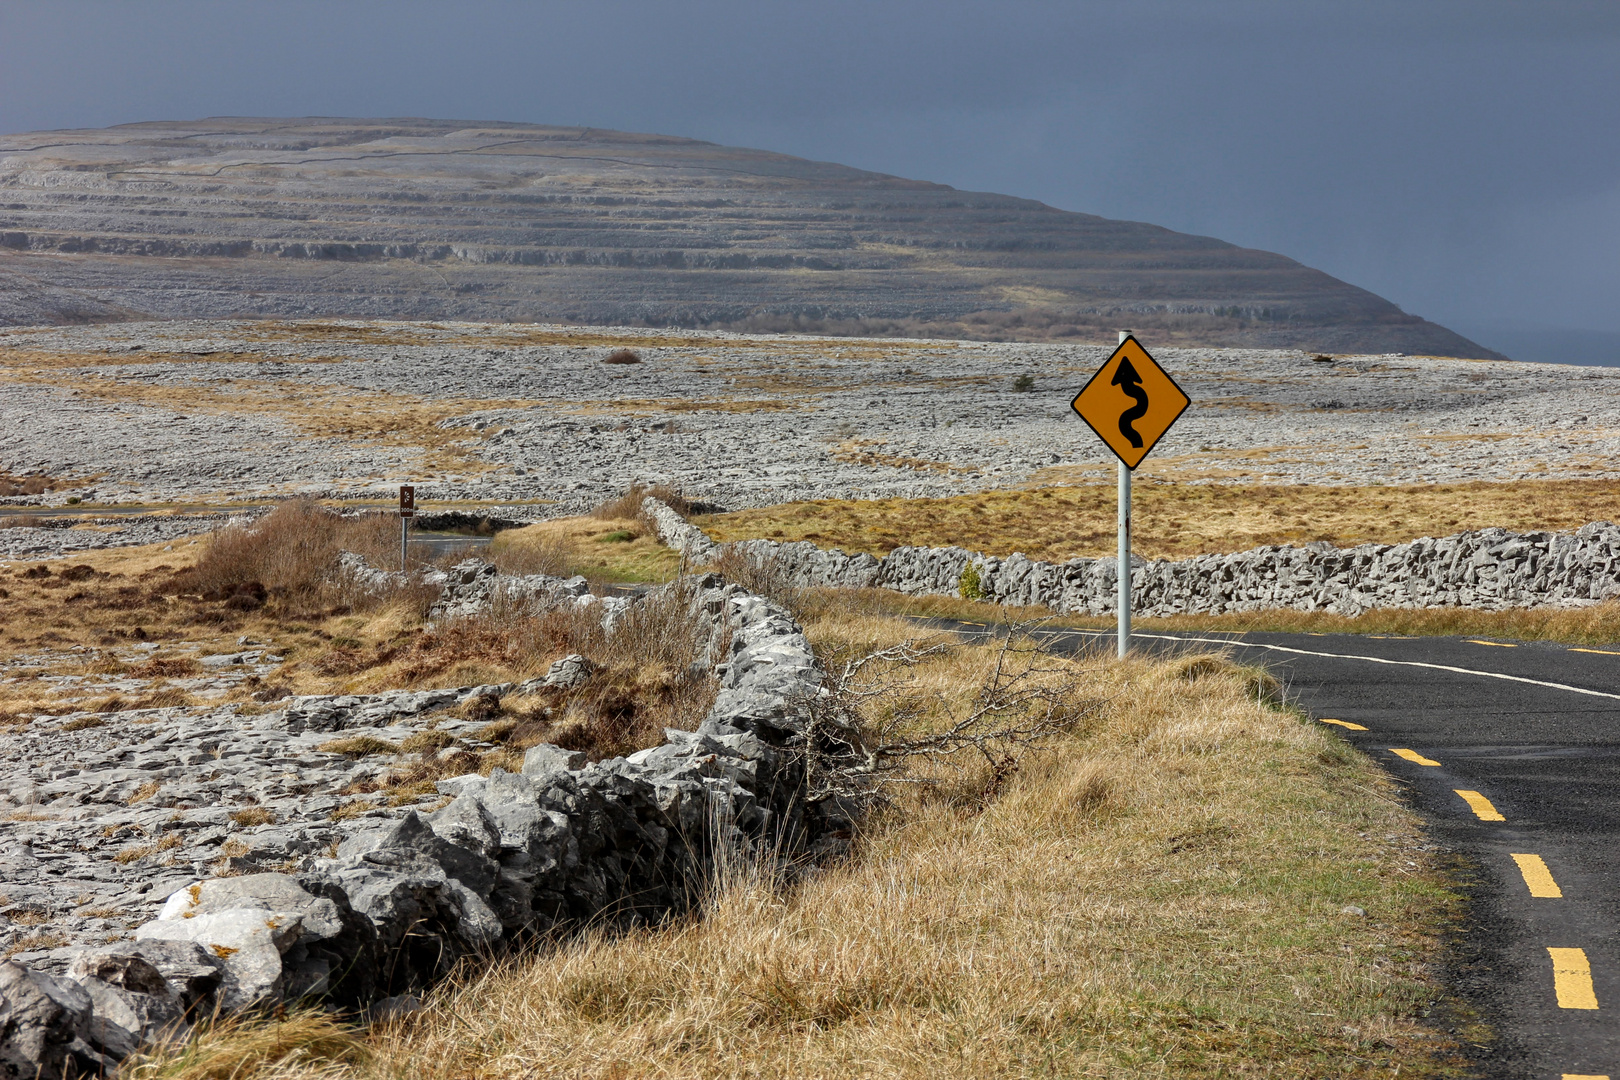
{"x": 1461, "y": 158}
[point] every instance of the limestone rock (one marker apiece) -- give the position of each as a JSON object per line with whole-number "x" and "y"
{"x": 546, "y": 760}
{"x": 44, "y": 1025}
{"x": 248, "y": 943}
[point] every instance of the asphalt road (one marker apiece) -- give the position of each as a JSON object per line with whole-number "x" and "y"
{"x": 1531, "y": 730}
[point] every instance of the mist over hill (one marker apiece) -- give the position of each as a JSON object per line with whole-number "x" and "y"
{"x": 429, "y": 219}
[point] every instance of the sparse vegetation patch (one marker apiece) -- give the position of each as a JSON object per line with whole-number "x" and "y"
{"x": 1167, "y": 885}
{"x": 1174, "y": 521}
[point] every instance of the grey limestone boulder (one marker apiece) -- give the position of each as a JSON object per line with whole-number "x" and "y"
{"x": 273, "y": 939}
{"x": 249, "y": 943}
{"x": 187, "y": 973}
{"x": 572, "y": 670}
{"x": 124, "y": 1018}
{"x": 545, "y": 760}
{"x": 45, "y": 1026}
{"x": 190, "y": 973}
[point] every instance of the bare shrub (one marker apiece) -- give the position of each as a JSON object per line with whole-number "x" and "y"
{"x": 166, "y": 667}
{"x": 344, "y": 660}
{"x": 548, "y": 554}
{"x": 649, "y": 672}
{"x": 25, "y": 485}
{"x": 504, "y": 642}
{"x": 627, "y": 507}
{"x": 289, "y": 557}
{"x": 761, "y": 574}
{"x": 876, "y": 725}
{"x": 620, "y": 709}
{"x": 21, "y": 521}
{"x": 622, "y": 356}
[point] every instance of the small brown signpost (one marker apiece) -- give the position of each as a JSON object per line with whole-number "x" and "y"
{"x": 1130, "y": 403}
{"x": 407, "y": 510}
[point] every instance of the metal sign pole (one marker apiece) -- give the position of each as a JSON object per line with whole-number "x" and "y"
{"x": 407, "y": 510}
{"x": 1129, "y": 404}
{"x": 1123, "y": 600}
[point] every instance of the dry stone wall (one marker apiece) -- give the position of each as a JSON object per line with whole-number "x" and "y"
{"x": 676, "y": 532}
{"x": 1489, "y": 569}
{"x": 366, "y": 912}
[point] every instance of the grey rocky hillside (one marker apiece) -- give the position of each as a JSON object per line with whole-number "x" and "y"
{"x": 429, "y": 219}
{"x": 163, "y": 863}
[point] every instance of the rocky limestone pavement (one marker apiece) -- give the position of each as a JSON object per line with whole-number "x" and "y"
{"x": 473, "y": 585}
{"x": 120, "y": 926}
{"x": 531, "y": 415}
{"x": 55, "y": 537}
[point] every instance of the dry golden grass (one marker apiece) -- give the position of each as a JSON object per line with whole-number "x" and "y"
{"x": 146, "y": 791}
{"x": 357, "y": 746}
{"x": 253, "y": 815}
{"x": 1174, "y": 521}
{"x": 201, "y": 596}
{"x": 34, "y": 360}
{"x": 143, "y": 851}
{"x": 289, "y": 558}
{"x": 514, "y": 335}
{"x": 238, "y": 1047}
{"x": 1158, "y": 894}
{"x": 1595, "y": 625}
{"x": 866, "y": 452}
{"x": 49, "y": 939}
{"x": 610, "y": 548}
{"x": 479, "y": 336}
{"x": 33, "y": 485}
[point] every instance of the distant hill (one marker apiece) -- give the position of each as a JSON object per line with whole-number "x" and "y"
{"x": 431, "y": 219}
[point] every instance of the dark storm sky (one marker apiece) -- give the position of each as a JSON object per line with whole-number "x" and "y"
{"x": 1461, "y": 159}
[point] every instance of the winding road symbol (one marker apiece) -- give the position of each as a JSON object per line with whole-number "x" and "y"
{"x": 1126, "y": 378}
{"x": 1130, "y": 402}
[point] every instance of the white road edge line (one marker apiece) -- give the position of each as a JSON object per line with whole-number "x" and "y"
{"x": 1353, "y": 656}
{"x": 1399, "y": 663}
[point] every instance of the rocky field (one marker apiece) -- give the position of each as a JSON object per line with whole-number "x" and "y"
{"x": 535, "y": 417}
{"x": 163, "y": 722}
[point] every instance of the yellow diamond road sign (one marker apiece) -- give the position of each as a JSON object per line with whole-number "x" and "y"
{"x": 1131, "y": 402}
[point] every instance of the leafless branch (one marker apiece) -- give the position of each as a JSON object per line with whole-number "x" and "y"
{"x": 874, "y": 723}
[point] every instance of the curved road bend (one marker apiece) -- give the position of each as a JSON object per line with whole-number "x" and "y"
{"x": 1510, "y": 751}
